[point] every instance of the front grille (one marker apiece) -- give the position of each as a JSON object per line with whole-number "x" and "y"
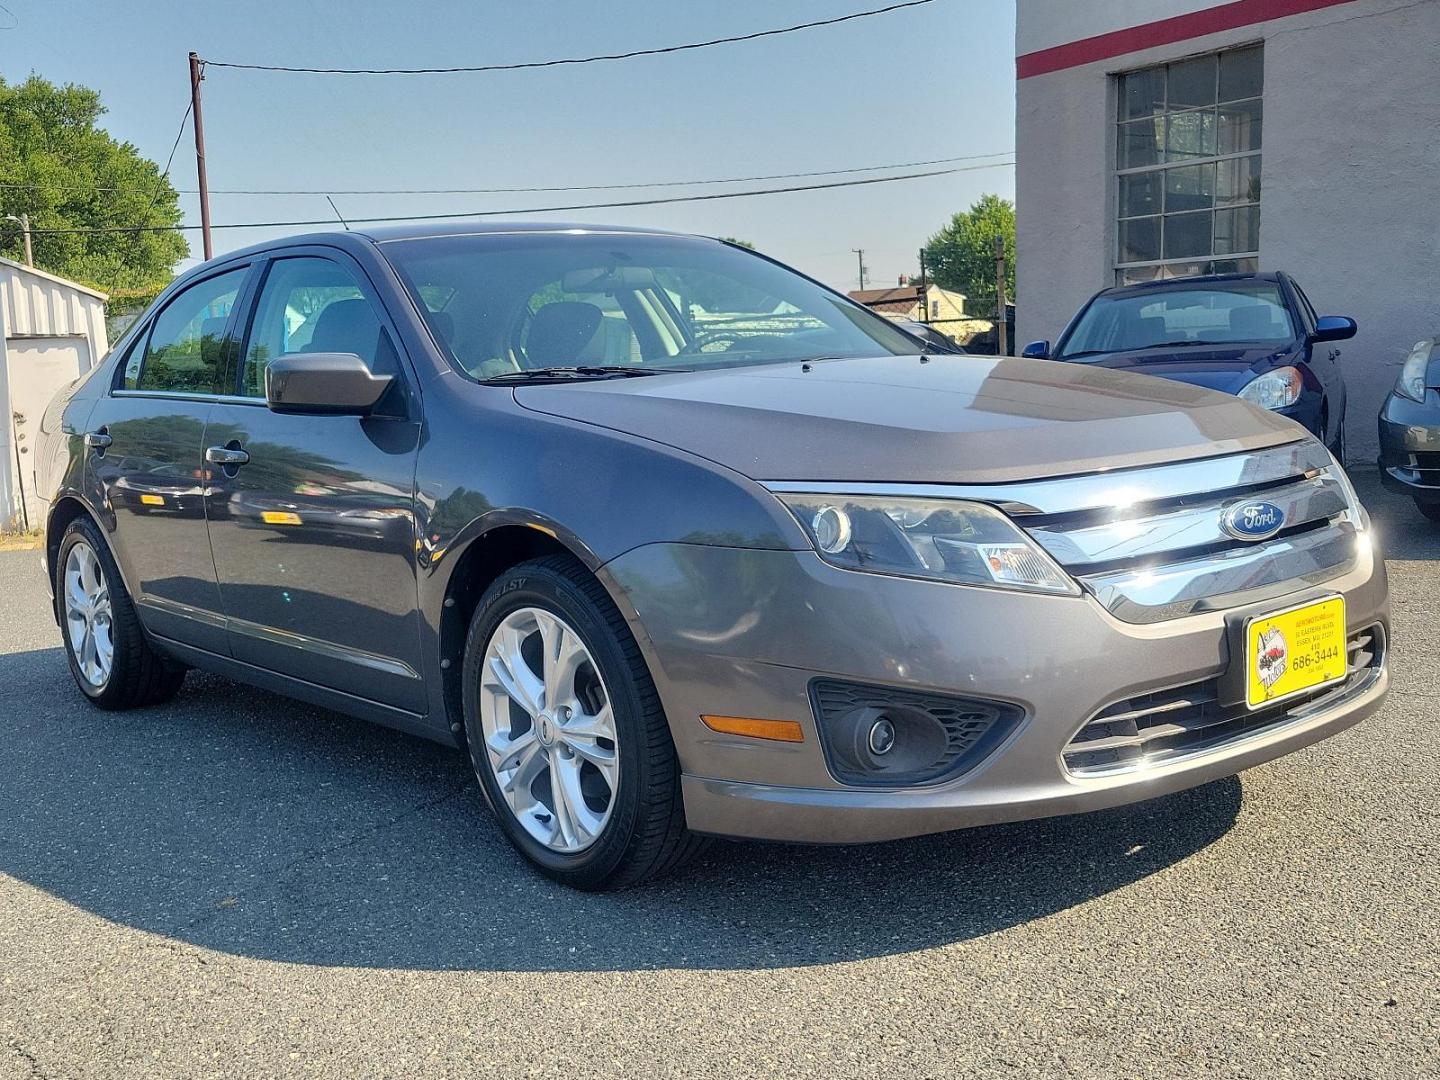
{"x": 1150, "y": 544}
{"x": 1152, "y": 729}
{"x": 1426, "y": 466}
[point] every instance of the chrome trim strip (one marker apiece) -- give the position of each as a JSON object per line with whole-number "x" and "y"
{"x": 1116, "y": 490}
{"x": 1225, "y": 579}
{"x": 187, "y": 611}
{"x": 1318, "y": 498}
{"x": 359, "y": 657}
{"x": 176, "y": 395}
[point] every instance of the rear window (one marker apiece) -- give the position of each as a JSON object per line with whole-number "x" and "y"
{"x": 1238, "y": 313}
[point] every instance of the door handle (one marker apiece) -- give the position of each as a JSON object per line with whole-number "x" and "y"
{"x": 98, "y": 441}
{"x": 226, "y": 455}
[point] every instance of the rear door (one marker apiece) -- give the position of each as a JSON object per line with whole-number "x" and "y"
{"x": 150, "y": 468}
{"x": 314, "y": 535}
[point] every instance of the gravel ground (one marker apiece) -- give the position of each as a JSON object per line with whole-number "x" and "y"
{"x": 238, "y": 885}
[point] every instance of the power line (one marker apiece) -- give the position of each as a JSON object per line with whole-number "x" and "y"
{"x": 159, "y": 188}
{"x": 560, "y": 187}
{"x": 575, "y": 59}
{"x": 540, "y": 209}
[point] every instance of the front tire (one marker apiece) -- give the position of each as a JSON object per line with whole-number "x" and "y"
{"x": 110, "y": 658}
{"x": 566, "y": 733}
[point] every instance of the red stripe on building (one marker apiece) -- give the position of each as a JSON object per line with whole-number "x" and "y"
{"x": 1164, "y": 32}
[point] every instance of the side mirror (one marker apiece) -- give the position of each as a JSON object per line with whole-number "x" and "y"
{"x": 337, "y": 384}
{"x": 1036, "y": 350}
{"x": 1333, "y": 328}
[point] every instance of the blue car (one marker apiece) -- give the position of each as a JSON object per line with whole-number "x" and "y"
{"x": 1254, "y": 335}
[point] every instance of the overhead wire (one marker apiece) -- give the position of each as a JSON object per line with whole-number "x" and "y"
{"x": 539, "y": 209}
{"x": 573, "y": 60}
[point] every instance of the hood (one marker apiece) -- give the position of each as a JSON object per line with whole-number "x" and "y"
{"x": 1226, "y": 368}
{"x": 904, "y": 419}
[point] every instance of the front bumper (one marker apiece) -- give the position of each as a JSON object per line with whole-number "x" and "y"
{"x": 744, "y": 633}
{"x": 1410, "y": 446}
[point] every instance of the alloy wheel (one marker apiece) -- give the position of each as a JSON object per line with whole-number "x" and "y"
{"x": 549, "y": 730}
{"x": 88, "y": 616}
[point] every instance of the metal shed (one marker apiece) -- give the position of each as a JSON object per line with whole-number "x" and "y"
{"x": 51, "y": 331}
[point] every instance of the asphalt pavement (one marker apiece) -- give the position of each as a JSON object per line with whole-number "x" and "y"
{"x": 235, "y": 884}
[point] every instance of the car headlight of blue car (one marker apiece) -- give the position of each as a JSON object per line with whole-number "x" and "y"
{"x": 1276, "y": 389}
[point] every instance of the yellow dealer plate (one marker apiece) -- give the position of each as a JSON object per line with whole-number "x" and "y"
{"x": 1295, "y": 650}
{"x": 280, "y": 517}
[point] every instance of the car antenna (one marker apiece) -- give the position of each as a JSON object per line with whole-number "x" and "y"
{"x": 337, "y": 212}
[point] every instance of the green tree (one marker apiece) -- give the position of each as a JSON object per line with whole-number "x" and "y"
{"x": 961, "y": 256}
{"x": 63, "y": 171}
{"x": 738, "y": 242}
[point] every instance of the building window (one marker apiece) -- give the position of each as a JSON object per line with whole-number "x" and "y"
{"x": 1187, "y": 165}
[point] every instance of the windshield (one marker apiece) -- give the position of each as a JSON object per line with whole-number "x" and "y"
{"x": 515, "y": 302}
{"x": 1242, "y": 312}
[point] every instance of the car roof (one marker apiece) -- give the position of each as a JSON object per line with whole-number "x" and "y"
{"x": 384, "y": 234}
{"x": 1142, "y": 287}
{"x": 468, "y": 227}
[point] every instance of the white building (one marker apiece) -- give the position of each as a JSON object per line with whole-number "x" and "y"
{"x": 1174, "y": 137}
{"x": 51, "y": 330}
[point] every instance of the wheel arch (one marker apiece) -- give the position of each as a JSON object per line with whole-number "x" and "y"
{"x": 496, "y": 545}
{"x": 63, "y": 511}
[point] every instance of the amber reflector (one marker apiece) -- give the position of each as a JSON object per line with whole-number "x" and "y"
{"x": 774, "y": 730}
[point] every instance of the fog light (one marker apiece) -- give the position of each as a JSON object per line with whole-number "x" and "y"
{"x": 882, "y": 737}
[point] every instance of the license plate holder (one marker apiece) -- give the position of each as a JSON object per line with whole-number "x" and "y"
{"x": 1294, "y": 651}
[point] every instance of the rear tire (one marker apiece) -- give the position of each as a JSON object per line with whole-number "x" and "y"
{"x": 624, "y": 821}
{"x": 111, "y": 660}
{"x": 1430, "y": 509}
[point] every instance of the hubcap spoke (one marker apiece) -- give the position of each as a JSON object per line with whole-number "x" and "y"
{"x": 88, "y": 615}
{"x": 558, "y": 775}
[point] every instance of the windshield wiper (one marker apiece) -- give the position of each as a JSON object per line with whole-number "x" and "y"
{"x": 586, "y": 371}
{"x": 1138, "y": 348}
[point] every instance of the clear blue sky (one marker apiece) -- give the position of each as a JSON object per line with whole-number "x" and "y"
{"x": 931, "y": 82}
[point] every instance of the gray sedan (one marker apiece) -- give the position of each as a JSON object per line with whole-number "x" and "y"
{"x": 675, "y": 542}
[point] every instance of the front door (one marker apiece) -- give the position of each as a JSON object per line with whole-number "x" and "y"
{"x": 313, "y": 534}
{"x": 147, "y": 459}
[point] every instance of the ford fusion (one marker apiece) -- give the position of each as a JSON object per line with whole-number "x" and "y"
{"x": 675, "y": 542}
{"x": 1255, "y": 335}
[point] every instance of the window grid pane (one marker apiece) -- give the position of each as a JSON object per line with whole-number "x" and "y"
{"x": 1188, "y": 157}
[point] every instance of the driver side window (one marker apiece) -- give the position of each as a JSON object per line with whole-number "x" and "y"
{"x": 310, "y": 304}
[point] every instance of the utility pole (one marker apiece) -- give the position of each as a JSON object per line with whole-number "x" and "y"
{"x": 197, "y": 72}
{"x": 860, "y": 254}
{"x": 924, "y": 291}
{"x": 1002, "y": 336}
{"x": 23, "y": 220}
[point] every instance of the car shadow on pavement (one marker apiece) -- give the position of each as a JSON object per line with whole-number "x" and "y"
{"x": 239, "y": 821}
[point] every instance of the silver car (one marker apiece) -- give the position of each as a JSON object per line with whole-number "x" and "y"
{"x": 675, "y": 542}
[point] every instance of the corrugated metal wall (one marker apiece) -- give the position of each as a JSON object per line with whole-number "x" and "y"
{"x": 34, "y": 304}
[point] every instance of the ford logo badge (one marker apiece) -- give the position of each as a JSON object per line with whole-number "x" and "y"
{"x": 1253, "y": 520}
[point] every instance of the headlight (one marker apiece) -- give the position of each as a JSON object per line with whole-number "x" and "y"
{"x": 1275, "y": 389}
{"x": 941, "y": 539}
{"x": 1412, "y": 376}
